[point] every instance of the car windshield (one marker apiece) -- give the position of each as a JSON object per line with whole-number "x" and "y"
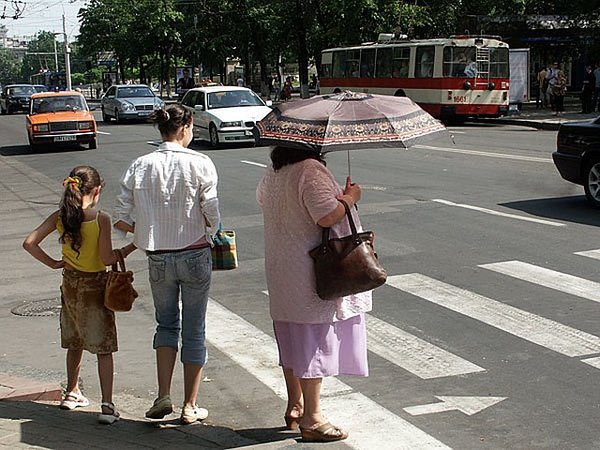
{"x": 57, "y": 104}
{"x": 233, "y": 99}
{"x": 40, "y": 88}
{"x": 20, "y": 90}
{"x": 129, "y": 92}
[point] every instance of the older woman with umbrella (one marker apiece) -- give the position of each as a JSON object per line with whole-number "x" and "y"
{"x": 299, "y": 195}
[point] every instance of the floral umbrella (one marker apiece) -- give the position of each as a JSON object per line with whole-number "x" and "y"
{"x": 349, "y": 120}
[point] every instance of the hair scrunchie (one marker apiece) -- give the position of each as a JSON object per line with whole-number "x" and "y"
{"x": 74, "y": 180}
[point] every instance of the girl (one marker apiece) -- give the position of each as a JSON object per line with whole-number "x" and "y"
{"x": 85, "y": 324}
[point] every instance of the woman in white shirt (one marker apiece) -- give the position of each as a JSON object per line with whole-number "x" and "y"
{"x": 168, "y": 199}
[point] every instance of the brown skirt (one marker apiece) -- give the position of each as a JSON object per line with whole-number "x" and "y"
{"x": 85, "y": 324}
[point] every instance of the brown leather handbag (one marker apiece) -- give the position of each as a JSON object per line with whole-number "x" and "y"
{"x": 347, "y": 265}
{"x": 119, "y": 293}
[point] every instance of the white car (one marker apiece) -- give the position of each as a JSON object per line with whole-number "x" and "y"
{"x": 225, "y": 114}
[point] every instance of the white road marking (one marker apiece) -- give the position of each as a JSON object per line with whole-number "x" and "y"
{"x": 552, "y": 279}
{"x": 498, "y": 213}
{"x": 252, "y": 163}
{"x": 595, "y": 254}
{"x": 466, "y": 405}
{"x": 480, "y": 153}
{"x": 594, "y": 362}
{"x": 103, "y": 132}
{"x": 227, "y": 331}
{"x": 539, "y": 330}
{"x": 413, "y": 354}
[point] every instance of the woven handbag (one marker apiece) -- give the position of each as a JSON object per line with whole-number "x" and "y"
{"x": 347, "y": 265}
{"x": 223, "y": 252}
{"x": 119, "y": 294}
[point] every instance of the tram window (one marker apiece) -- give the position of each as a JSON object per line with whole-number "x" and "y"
{"x": 384, "y": 62}
{"x": 424, "y": 62}
{"x": 339, "y": 63}
{"x": 401, "y": 62}
{"x": 499, "y": 62}
{"x": 326, "y": 64}
{"x": 367, "y": 62}
{"x": 352, "y": 68}
{"x": 459, "y": 62}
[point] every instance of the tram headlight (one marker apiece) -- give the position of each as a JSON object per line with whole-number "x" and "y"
{"x": 491, "y": 86}
{"x": 467, "y": 86}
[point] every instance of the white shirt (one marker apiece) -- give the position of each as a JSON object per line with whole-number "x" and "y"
{"x": 171, "y": 196}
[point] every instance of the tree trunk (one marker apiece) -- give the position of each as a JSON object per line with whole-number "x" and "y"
{"x": 302, "y": 50}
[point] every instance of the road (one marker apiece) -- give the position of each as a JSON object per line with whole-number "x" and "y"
{"x": 485, "y": 336}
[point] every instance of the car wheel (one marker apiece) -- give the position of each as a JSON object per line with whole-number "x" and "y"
{"x": 592, "y": 183}
{"x": 93, "y": 144}
{"x": 2, "y": 110}
{"x": 105, "y": 117}
{"x": 213, "y": 135}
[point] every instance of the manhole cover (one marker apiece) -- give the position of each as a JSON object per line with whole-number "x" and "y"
{"x": 46, "y": 307}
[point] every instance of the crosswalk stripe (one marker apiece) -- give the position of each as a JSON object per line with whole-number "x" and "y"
{"x": 552, "y": 279}
{"x": 539, "y": 330}
{"x": 595, "y": 254}
{"x": 256, "y": 352}
{"x": 413, "y": 354}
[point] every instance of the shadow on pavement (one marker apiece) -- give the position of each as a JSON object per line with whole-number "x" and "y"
{"x": 16, "y": 150}
{"x": 570, "y": 209}
{"x": 27, "y": 424}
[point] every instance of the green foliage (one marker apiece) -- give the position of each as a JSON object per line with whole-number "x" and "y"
{"x": 9, "y": 67}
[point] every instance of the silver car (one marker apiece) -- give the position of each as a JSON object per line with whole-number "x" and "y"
{"x": 129, "y": 101}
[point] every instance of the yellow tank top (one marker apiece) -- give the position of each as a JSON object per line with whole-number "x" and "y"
{"x": 88, "y": 259}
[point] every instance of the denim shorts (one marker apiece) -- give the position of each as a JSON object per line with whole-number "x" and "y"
{"x": 184, "y": 276}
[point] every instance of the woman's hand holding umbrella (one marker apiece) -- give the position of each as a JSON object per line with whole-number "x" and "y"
{"x": 352, "y": 193}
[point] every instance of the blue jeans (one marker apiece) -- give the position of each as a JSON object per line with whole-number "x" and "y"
{"x": 188, "y": 274}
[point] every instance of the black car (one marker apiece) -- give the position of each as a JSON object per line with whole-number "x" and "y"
{"x": 577, "y": 156}
{"x": 15, "y": 98}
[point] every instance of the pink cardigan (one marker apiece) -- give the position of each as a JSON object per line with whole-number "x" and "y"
{"x": 293, "y": 200}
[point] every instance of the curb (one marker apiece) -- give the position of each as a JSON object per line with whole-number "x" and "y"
{"x": 23, "y": 389}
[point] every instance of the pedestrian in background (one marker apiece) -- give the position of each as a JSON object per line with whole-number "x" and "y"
{"x": 552, "y": 79}
{"x": 85, "y": 323}
{"x": 559, "y": 89}
{"x": 587, "y": 91}
{"x": 596, "y": 100}
{"x": 542, "y": 84}
{"x": 316, "y": 338}
{"x": 172, "y": 194}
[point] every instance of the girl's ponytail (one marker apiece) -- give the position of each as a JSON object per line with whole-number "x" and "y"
{"x": 81, "y": 181}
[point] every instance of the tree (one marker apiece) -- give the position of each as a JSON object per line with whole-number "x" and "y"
{"x": 40, "y": 55}
{"x": 10, "y": 68}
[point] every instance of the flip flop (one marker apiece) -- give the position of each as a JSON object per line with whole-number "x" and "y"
{"x": 325, "y": 432}
{"x": 109, "y": 419}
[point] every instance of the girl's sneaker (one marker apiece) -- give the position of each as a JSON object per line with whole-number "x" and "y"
{"x": 73, "y": 400}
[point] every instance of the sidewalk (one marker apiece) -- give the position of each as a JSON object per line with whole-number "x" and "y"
{"x": 32, "y": 362}
{"x": 544, "y": 119}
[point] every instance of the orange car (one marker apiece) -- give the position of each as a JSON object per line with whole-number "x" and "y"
{"x": 58, "y": 117}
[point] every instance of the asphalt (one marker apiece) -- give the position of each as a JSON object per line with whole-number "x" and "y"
{"x": 29, "y": 395}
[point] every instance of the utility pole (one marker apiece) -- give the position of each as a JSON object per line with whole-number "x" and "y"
{"x": 67, "y": 55}
{"x": 55, "y": 54}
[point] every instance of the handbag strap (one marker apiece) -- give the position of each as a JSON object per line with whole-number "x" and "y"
{"x": 119, "y": 262}
{"x": 325, "y": 234}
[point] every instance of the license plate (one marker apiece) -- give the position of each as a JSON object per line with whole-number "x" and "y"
{"x": 144, "y": 113}
{"x": 64, "y": 138}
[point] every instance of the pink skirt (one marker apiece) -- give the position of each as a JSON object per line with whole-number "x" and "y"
{"x": 323, "y": 349}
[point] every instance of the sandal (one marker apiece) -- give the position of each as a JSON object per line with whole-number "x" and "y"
{"x": 292, "y": 423}
{"x": 325, "y": 432}
{"x": 109, "y": 419}
{"x": 73, "y": 400}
